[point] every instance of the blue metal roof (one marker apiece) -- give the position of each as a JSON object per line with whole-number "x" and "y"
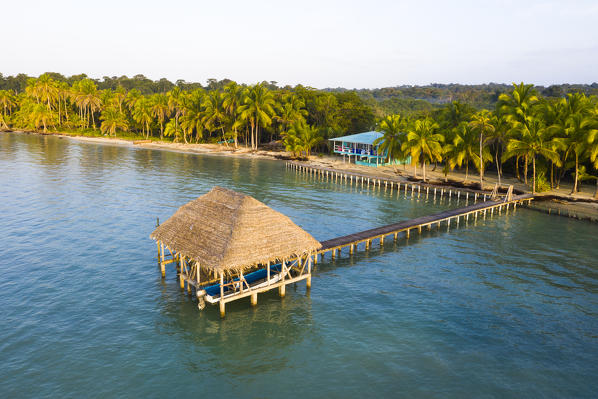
{"x": 360, "y": 138}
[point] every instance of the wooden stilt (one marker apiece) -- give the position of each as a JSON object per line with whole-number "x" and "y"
{"x": 282, "y": 287}
{"x": 254, "y": 299}
{"x": 222, "y": 305}
{"x": 162, "y": 267}
{"x": 181, "y": 279}
{"x": 308, "y": 280}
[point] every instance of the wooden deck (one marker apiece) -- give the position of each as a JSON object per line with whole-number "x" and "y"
{"x": 453, "y": 215}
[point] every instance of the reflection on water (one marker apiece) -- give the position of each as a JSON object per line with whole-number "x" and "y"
{"x": 501, "y": 307}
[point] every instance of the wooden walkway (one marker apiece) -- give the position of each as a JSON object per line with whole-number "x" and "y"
{"x": 389, "y": 183}
{"x": 454, "y": 215}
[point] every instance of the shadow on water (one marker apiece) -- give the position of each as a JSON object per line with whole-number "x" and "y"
{"x": 248, "y": 335}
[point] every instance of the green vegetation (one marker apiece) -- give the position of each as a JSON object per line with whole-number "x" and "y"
{"x": 555, "y": 136}
{"x": 223, "y": 111}
{"x": 552, "y": 131}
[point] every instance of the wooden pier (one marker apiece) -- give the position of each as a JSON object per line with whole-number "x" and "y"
{"x": 388, "y": 183}
{"x": 474, "y": 211}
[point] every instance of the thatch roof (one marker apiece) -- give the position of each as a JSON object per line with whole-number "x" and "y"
{"x": 225, "y": 230}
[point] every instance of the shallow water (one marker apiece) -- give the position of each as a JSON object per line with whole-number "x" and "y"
{"x": 506, "y": 307}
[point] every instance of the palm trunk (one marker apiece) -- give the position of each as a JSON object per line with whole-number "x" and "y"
{"x": 596, "y": 192}
{"x": 525, "y": 169}
{"x": 466, "y": 171}
{"x": 551, "y": 175}
{"x": 424, "y": 169}
{"x": 257, "y": 136}
{"x": 415, "y": 169}
{"x": 252, "y": 129}
{"x": 497, "y": 165}
{"x": 517, "y": 168}
{"x": 481, "y": 163}
{"x": 574, "y": 191}
{"x": 534, "y": 175}
{"x": 223, "y": 138}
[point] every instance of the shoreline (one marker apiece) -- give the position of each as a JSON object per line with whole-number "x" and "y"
{"x": 582, "y": 207}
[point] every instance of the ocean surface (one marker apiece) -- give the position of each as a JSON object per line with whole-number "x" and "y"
{"x": 505, "y": 307}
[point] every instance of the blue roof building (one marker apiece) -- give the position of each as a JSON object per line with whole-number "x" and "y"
{"x": 361, "y": 147}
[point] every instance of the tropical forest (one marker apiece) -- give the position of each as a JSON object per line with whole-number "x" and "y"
{"x": 542, "y": 136}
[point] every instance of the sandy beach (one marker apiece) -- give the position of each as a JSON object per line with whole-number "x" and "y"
{"x": 583, "y": 205}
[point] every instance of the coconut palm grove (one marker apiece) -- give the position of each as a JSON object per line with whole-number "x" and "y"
{"x": 541, "y": 139}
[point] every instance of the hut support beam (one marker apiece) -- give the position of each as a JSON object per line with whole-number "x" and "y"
{"x": 222, "y": 303}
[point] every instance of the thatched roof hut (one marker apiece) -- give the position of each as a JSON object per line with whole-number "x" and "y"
{"x": 225, "y": 230}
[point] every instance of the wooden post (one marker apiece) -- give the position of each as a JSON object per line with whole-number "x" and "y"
{"x": 396, "y": 235}
{"x": 333, "y": 253}
{"x": 367, "y": 244}
{"x": 162, "y": 267}
{"x": 181, "y": 280}
{"x": 407, "y": 233}
{"x": 351, "y": 248}
{"x": 382, "y": 241}
{"x": 282, "y": 287}
{"x": 419, "y": 229}
{"x": 254, "y": 299}
{"x": 308, "y": 279}
{"x": 222, "y": 305}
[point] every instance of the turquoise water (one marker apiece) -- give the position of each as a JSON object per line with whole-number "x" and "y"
{"x": 507, "y": 307}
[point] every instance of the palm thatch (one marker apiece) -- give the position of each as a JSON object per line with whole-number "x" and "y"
{"x": 224, "y": 230}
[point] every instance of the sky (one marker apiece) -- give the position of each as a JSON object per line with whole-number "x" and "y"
{"x": 317, "y": 43}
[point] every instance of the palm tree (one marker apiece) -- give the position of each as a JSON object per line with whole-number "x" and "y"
{"x": 120, "y": 97}
{"x": 41, "y": 116}
{"x": 233, "y": 97}
{"x": 464, "y": 149}
{"x": 7, "y": 102}
{"x": 302, "y": 137}
{"x": 482, "y": 123}
{"x": 160, "y": 110}
{"x": 46, "y": 89}
{"x": 290, "y": 110}
{"x": 515, "y": 108}
{"x": 133, "y": 96}
{"x": 214, "y": 112}
{"x": 535, "y": 140}
{"x": 499, "y": 139}
{"x": 176, "y": 99}
{"x": 142, "y": 114}
{"x": 258, "y": 107}
{"x": 112, "y": 120}
{"x": 393, "y": 138}
{"x": 88, "y": 100}
{"x": 423, "y": 143}
{"x": 172, "y": 129}
{"x": 192, "y": 114}
{"x": 519, "y": 104}
{"x": 579, "y": 123}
